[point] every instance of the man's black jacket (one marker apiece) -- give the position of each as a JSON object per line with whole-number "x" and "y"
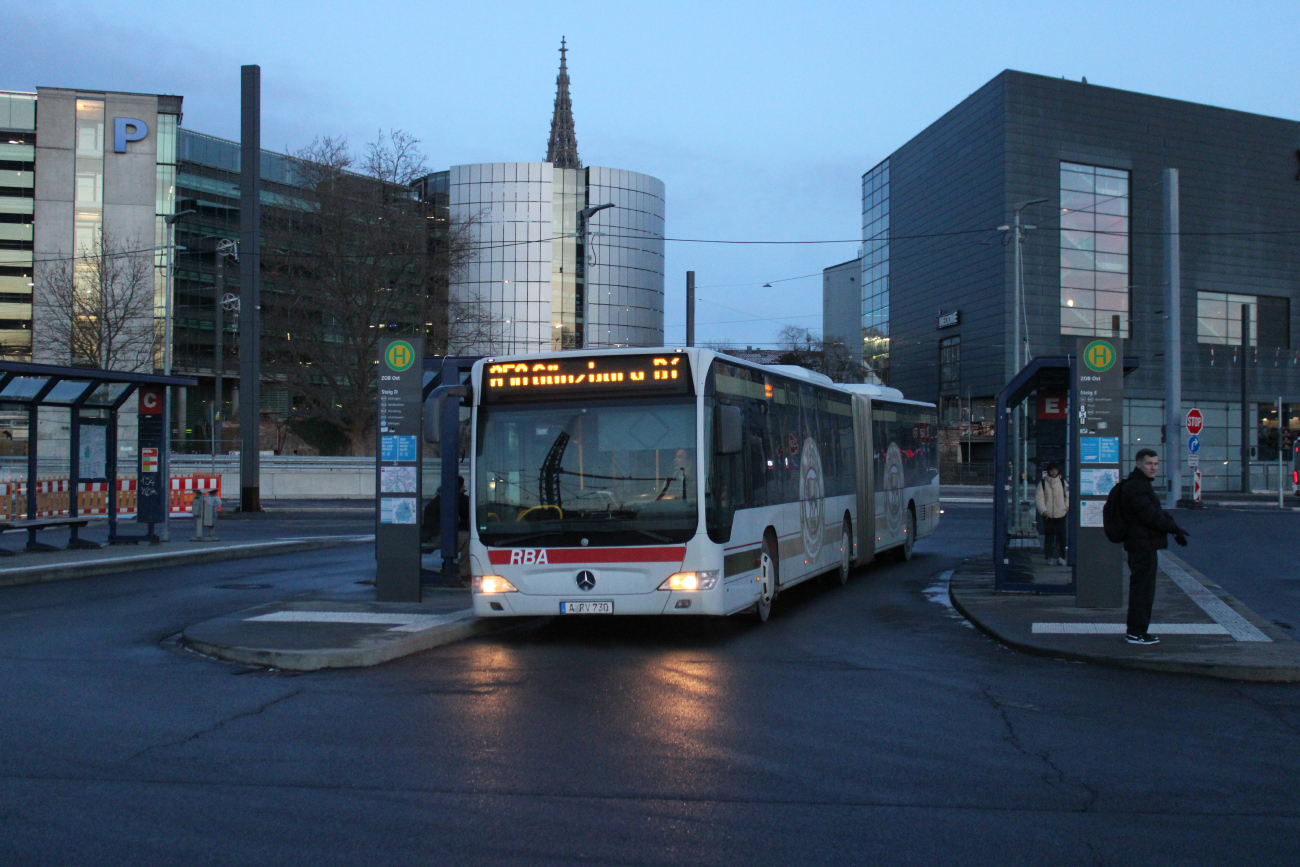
{"x": 1146, "y": 523}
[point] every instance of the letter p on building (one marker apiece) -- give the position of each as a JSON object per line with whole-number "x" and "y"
{"x": 127, "y": 129}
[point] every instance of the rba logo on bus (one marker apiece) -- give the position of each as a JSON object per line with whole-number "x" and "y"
{"x": 894, "y": 482}
{"x": 528, "y": 556}
{"x": 811, "y": 518}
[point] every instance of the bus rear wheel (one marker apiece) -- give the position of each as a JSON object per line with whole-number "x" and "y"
{"x": 840, "y": 576}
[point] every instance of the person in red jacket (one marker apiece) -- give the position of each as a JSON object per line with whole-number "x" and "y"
{"x": 1146, "y": 530}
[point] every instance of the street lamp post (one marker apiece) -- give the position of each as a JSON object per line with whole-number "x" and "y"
{"x": 583, "y": 216}
{"x": 167, "y": 366}
{"x": 1020, "y": 453}
{"x": 225, "y": 247}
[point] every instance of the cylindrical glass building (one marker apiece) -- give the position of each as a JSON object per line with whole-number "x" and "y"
{"x": 546, "y": 278}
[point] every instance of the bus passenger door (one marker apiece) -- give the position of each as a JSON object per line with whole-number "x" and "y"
{"x": 864, "y": 471}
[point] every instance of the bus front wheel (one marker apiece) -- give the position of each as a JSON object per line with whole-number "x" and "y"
{"x": 905, "y": 552}
{"x": 767, "y": 582}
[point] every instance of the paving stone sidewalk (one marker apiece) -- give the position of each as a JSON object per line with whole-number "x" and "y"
{"x": 1203, "y": 629}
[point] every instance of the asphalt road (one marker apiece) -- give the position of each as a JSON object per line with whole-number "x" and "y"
{"x": 1254, "y": 553}
{"x": 864, "y": 724}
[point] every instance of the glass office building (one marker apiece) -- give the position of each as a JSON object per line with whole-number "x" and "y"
{"x": 1084, "y": 165}
{"x": 543, "y": 277}
{"x": 566, "y": 256}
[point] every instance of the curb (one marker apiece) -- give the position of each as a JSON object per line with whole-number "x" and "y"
{"x": 1215, "y": 670}
{"x": 465, "y": 626}
{"x": 86, "y": 569}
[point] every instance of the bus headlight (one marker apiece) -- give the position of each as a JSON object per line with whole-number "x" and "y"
{"x": 691, "y": 581}
{"x": 493, "y": 584}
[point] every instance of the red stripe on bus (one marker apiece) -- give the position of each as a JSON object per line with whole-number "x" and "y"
{"x": 501, "y": 556}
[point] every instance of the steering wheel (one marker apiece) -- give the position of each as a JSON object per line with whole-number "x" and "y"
{"x": 532, "y": 509}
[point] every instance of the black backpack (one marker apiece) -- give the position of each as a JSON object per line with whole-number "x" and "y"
{"x": 1112, "y": 517}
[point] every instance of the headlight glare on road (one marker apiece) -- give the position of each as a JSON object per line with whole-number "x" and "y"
{"x": 493, "y": 584}
{"x": 691, "y": 581}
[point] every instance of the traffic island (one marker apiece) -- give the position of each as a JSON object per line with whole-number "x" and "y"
{"x": 66, "y": 565}
{"x": 1203, "y": 629}
{"x": 308, "y": 636}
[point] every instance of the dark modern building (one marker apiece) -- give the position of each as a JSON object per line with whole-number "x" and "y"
{"x": 937, "y": 274}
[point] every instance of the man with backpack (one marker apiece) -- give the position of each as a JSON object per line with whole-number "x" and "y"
{"x": 1144, "y": 528}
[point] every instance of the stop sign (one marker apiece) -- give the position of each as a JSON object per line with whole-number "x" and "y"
{"x": 1195, "y": 421}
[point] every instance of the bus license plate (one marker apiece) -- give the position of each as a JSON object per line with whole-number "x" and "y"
{"x": 586, "y": 607}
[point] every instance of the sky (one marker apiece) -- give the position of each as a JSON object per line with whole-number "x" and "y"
{"x": 759, "y": 117}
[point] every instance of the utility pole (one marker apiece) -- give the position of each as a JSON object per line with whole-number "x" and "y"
{"x": 690, "y": 308}
{"x": 250, "y": 262}
{"x": 1245, "y": 400}
{"x": 1173, "y": 344}
{"x": 584, "y": 304}
{"x": 225, "y": 247}
{"x": 166, "y": 467}
{"x": 218, "y": 353}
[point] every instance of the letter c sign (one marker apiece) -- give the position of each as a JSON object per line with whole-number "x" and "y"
{"x": 151, "y": 401}
{"x": 138, "y": 130}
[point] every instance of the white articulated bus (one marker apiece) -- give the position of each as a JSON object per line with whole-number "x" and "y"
{"x": 683, "y": 481}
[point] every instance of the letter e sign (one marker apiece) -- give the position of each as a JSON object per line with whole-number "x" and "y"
{"x": 1051, "y": 405}
{"x": 151, "y": 401}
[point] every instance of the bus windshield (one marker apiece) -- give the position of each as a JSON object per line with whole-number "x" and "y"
{"x": 595, "y": 473}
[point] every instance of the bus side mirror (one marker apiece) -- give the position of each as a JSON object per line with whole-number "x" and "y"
{"x": 435, "y": 405}
{"x": 728, "y": 422}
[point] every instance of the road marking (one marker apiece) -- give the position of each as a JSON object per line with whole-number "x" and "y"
{"x": 360, "y": 537}
{"x": 400, "y": 622}
{"x": 1120, "y": 629}
{"x": 1237, "y": 626}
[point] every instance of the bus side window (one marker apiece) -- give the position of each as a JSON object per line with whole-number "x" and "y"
{"x": 757, "y": 453}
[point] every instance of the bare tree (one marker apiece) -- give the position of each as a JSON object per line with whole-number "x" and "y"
{"x": 838, "y": 362}
{"x": 357, "y": 258}
{"x": 723, "y": 346}
{"x": 799, "y": 346}
{"x": 96, "y": 308}
{"x": 804, "y": 348}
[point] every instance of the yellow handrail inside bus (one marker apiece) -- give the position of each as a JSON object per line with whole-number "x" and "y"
{"x": 532, "y": 509}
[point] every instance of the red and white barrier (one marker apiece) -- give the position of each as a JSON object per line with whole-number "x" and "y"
{"x": 186, "y": 488}
{"x": 52, "y": 497}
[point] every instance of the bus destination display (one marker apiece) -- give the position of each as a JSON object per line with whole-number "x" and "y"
{"x": 666, "y": 374}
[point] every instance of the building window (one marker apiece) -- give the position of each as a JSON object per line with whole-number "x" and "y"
{"x": 1218, "y": 319}
{"x": 949, "y": 364}
{"x": 1094, "y": 251}
{"x": 875, "y": 274}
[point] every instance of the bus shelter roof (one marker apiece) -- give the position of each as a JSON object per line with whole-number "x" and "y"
{"x": 26, "y": 384}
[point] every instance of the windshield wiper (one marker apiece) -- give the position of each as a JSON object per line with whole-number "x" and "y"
{"x": 515, "y": 540}
{"x": 657, "y": 537}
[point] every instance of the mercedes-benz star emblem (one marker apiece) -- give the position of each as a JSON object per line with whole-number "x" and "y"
{"x": 586, "y": 580}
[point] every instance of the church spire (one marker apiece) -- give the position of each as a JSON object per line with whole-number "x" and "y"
{"x": 562, "y": 149}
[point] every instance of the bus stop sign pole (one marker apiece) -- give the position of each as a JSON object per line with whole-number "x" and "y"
{"x": 397, "y": 480}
